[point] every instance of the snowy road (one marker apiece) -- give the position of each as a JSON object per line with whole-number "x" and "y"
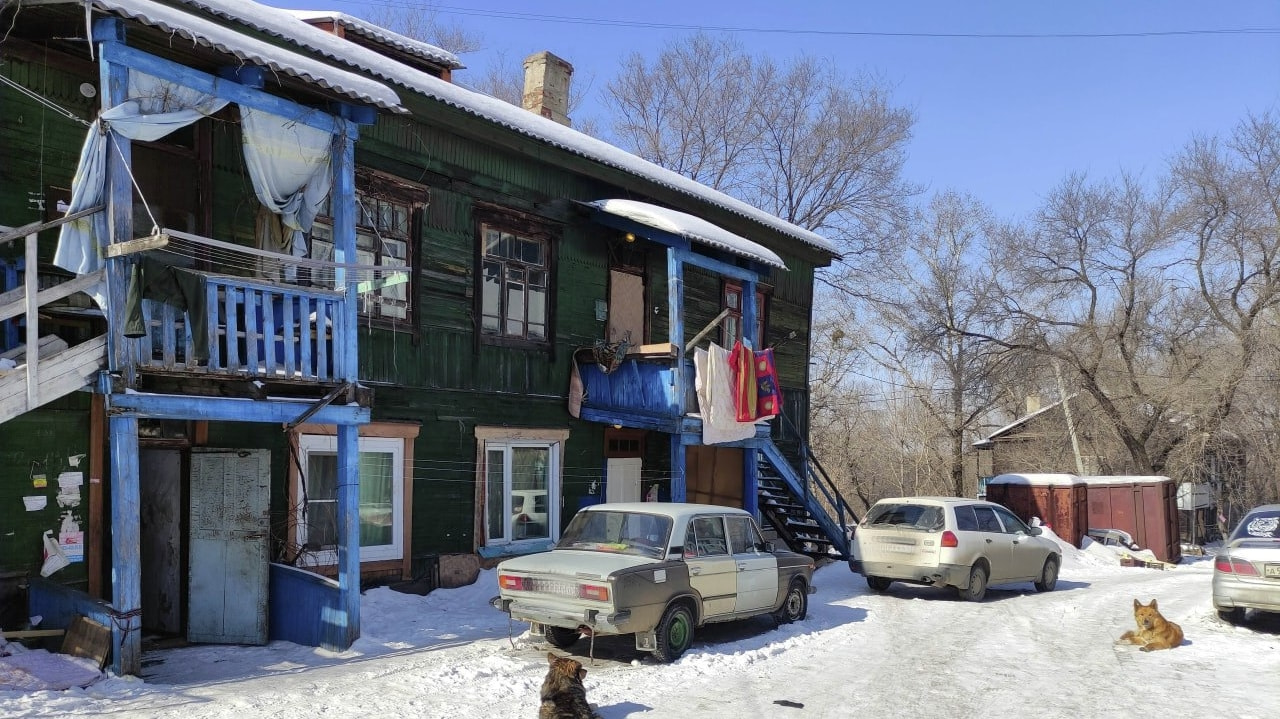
{"x": 911, "y": 652}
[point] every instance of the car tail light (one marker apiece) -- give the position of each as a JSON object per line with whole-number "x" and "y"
{"x": 510, "y": 581}
{"x": 597, "y": 592}
{"x": 949, "y": 539}
{"x": 1231, "y": 565}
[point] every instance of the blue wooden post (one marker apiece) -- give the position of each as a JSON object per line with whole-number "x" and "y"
{"x": 751, "y": 480}
{"x": 343, "y": 201}
{"x": 114, "y": 79}
{"x": 679, "y": 482}
{"x": 749, "y": 314}
{"x": 349, "y": 530}
{"x": 675, "y": 324}
{"x": 126, "y": 547}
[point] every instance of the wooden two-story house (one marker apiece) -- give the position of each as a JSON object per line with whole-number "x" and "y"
{"x": 349, "y": 317}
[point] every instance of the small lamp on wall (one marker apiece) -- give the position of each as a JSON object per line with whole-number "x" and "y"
{"x": 630, "y": 237}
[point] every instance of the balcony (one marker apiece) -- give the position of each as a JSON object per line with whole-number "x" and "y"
{"x": 641, "y": 391}
{"x": 251, "y": 329}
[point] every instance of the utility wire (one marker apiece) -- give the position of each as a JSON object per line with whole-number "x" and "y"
{"x": 650, "y": 25}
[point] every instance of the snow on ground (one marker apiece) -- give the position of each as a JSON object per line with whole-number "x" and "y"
{"x": 914, "y": 651}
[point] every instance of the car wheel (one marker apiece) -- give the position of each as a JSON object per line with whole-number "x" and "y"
{"x": 561, "y": 638}
{"x": 879, "y": 584}
{"x": 1048, "y": 576}
{"x": 1234, "y": 615}
{"x": 977, "y": 588}
{"x": 675, "y": 633}
{"x": 796, "y": 605}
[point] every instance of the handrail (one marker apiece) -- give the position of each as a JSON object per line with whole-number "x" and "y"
{"x": 33, "y": 298}
{"x": 11, "y": 234}
{"x": 827, "y": 486}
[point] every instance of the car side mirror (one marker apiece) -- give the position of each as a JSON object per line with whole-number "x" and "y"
{"x": 1035, "y": 531}
{"x": 768, "y": 547}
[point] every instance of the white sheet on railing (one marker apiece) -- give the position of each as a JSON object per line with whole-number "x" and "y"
{"x": 289, "y": 164}
{"x": 154, "y": 109}
{"x": 715, "y": 397}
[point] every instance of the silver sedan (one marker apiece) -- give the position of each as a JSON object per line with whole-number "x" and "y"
{"x": 1246, "y": 572}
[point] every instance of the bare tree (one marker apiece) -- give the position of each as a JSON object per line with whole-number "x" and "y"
{"x": 932, "y": 299}
{"x": 799, "y": 140}
{"x": 421, "y": 21}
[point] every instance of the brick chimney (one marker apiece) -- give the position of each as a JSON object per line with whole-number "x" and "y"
{"x": 546, "y": 86}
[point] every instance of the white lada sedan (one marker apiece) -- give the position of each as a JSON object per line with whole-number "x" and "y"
{"x": 656, "y": 570}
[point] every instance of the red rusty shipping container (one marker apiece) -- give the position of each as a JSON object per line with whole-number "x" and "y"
{"x": 1059, "y": 500}
{"x": 1144, "y": 506}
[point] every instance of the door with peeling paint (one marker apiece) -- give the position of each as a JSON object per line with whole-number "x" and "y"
{"x": 230, "y": 503}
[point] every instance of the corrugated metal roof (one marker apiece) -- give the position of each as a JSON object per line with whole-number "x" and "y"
{"x": 282, "y": 24}
{"x": 690, "y": 227}
{"x": 248, "y": 49}
{"x": 414, "y": 47}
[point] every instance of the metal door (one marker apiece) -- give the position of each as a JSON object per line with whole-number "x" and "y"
{"x": 712, "y": 569}
{"x": 230, "y": 500}
{"x": 160, "y": 523}
{"x": 757, "y": 569}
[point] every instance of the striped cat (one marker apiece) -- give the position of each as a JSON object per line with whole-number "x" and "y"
{"x": 563, "y": 695}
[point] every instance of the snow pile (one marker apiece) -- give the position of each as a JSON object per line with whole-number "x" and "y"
{"x": 1087, "y": 555}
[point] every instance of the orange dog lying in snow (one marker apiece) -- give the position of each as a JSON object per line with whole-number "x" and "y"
{"x": 1154, "y": 631}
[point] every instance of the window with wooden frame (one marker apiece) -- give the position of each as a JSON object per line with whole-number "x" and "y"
{"x": 731, "y": 327}
{"x": 514, "y": 298}
{"x": 387, "y": 212}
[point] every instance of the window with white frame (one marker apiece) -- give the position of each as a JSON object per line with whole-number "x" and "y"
{"x": 381, "y": 499}
{"x": 521, "y": 481}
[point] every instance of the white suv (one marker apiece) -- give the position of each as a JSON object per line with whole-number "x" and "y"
{"x": 947, "y": 541}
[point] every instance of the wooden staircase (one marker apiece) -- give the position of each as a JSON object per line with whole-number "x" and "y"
{"x": 46, "y": 368}
{"x": 804, "y": 507}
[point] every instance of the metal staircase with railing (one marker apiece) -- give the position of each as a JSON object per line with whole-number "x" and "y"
{"x": 802, "y": 504}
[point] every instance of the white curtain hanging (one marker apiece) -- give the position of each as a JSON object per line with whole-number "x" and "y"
{"x": 290, "y": 165}
{"x": 154, "y": 108}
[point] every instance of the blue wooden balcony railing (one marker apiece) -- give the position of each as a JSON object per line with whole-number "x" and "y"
{"x": 254, "y": 328}
{"x": 639, "y": 392}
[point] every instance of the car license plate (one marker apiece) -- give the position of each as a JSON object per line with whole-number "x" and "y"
{"x": 1271, "y": 570}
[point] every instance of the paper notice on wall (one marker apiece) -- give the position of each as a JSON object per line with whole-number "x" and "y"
{"x": 71, "y": 539}
{"x": 35, "y": 503}
{"x": 69, "y": 484}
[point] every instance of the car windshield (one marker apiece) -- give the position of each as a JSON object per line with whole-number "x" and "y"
{"x": 925, "y": 517}
{"x": 644, "y": 535}
{"x": 1259, "y": 525}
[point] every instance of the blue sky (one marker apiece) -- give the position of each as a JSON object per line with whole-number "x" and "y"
{"x": 1000, "y": 118}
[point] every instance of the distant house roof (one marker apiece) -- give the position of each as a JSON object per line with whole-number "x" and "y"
{"x": 689, "y": 227}
{"x": 1036, "y": 480}
{"x": 1125, "y": 479}
{"x": 247, "y": 49}
{"x": 990, "y": 439}
{"x": 423, "y": 50}
{"x": 284, "y": 25}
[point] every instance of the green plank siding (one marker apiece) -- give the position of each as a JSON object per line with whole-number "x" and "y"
{"x": 42, "y": 442}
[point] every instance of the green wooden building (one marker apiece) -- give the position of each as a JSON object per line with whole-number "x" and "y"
{"x": 404, "y": 324}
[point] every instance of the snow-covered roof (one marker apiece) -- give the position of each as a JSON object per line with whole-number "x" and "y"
{"x": 689, "y": 227}
{"x": 1124, "y": 479}
{"x": 1017, "y": 423}
{"x": 426, "y": 51}
{"x": 283, "y": 24}
{"x": 252, "y": 50}
{"x": 1036, "y": 480}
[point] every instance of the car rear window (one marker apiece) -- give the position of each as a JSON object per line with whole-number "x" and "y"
{"x": 914, "y": 516}
{"x": 965, "y": 519}
{"x": 1259, "y": 525}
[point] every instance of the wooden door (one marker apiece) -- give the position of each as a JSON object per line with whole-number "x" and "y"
{"x": 622, "y": 479}
{"x": 160, "y": 523}
{"x": 230, "y": 500}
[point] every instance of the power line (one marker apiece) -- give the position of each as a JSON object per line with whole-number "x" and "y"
{"x": 650, "y": 25}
